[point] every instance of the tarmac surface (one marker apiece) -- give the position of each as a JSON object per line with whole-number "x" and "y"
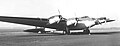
{"x": 33, "y": 39}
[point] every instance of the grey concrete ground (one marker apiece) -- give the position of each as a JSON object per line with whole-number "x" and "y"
{"x": 32, "y": 39}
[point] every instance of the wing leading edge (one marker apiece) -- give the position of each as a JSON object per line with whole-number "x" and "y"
{"x": 25, "y": 21}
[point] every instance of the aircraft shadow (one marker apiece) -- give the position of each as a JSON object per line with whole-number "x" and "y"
{"x": 78, "y": 33}
{"x": 97, "y": 33}
{"x": 40, "y": 35}
{"x": 106, "y": 33}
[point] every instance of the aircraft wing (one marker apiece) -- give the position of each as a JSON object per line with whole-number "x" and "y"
{"x": 24, "y": 20}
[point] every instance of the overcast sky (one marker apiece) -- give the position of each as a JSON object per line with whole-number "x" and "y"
{"x": 68, "y": 8}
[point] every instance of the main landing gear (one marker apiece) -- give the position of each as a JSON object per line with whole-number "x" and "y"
{"x": 40, "y": 30}
{"x": 66, "y": 31}
{"x": 86, "y": 31}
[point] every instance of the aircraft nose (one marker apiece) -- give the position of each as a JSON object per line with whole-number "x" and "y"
{"x": 109, "y": 20}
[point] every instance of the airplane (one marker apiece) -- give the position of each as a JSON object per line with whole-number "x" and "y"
{"x": 57, "y": 22}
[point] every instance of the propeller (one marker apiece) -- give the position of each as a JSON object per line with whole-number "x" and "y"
{"x": 76, "y": 18}
{"x": 59, "y": 11}
{"x": 59, "y": 15}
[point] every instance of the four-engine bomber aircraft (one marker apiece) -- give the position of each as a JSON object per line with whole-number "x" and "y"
{"x": 58, "y": 22}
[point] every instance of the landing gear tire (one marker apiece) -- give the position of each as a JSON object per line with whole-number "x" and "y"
{"x": 86, "y": 31}
{"x": 67, "y": 31}
{"x": 43, "y": 32}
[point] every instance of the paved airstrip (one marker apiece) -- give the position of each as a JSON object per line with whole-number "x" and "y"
{"x": 33, "y": 39}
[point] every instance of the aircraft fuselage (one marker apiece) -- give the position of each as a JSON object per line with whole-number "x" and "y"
{"x": 62, "y": 25}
